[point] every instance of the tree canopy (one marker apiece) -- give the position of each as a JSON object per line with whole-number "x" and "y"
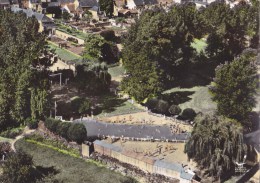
{"x": 107, "y": 6}
{"x": 216, "y": 143}
{"x": 24, "y": 60}
{"x": 235, "y": 87}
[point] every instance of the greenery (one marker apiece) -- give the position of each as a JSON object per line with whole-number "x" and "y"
{"x": 80, "y": 105}
{"x": 53, "y": 144}
{"x": 235, "y": 87}
{"x": 52, "y": 124}
{"x": 174, "y": 110}
{"x": 17, "y": 168}
{"x": 92, "y": 78}
{"x": 63, "y": 53}
{"x": 77, "y": 132}
{"x": 188, "y": 114}
{"x": 66, "y": 16}
{"x": 100, "y": 49}
{"x": 31, "y": 123}
{"x": 24, "y": 66}
{"x": 67, "y": 168}
{"x": 180, "y": 46}
{"x": 107, "y": 6}
{"x": 12, "y": 132}
{"x": 216, "y": 143}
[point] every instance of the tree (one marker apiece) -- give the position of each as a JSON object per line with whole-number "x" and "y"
{"x": 63, "y": 129}
{"x": 188, "y": 114}
{"x": 80, "y": 105}
{"x": 66, "y": 16}
{"x": 92, "y": 78}
{"x": 87, "y": 16}
{"x": 216, "y": 143}
{"x": 107, "y": 6}
{"x": 77, "y": 132}
{"x": 24, "y": 62}
{"x": 174, "y": 110}
{"x": 234, "y": 87}
{"x": 18, "y": 168}
{"x": 100, "y": 49}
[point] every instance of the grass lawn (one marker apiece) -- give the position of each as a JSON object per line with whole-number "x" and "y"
{"x": 113, "y": 106}
{"x": 69, "y": 169}
{"x": 116, "y": 71}
{"x": 200, "y": 100}
{"x": 3, "y": 139}
{"x": 199, "y": 45}
{"x": 63, "y": 53}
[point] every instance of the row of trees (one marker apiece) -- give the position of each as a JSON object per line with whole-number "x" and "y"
{"x": 24, "y": 60}
{"x": 158, "y": 50}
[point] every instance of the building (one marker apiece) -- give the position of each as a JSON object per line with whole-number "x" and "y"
{"x": 145, "y": 163}
{"x": 45, "y": 23}
{"x": 88, "y": 4}
{"x": 5, "y": 4}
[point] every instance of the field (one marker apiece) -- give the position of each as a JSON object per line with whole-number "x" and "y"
{"x": 69, "y": 169}
{"x": 2, "y": 139}
{"x": 116, "y": 72}
{"x": 63, "y": 53}
{"x": 200, "y": 100}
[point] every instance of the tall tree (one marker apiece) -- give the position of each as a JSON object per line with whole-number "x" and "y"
{"x": 107, "y": 6}
{"x": 234, "y": 87}
{"x": 216, "y": 143}
{"x": 23, "y": 55}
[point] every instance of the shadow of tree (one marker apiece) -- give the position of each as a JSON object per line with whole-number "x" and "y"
{"x": 177, "y": 98}
{"x": 40, "y": 173}
{"x": 109, "y": 103}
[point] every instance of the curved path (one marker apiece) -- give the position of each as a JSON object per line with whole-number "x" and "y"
{"x": 25, "y": 132}
{"x": 99, "y": 129}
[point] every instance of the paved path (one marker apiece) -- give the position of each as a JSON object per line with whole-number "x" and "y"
{"x": 98, "y": 129}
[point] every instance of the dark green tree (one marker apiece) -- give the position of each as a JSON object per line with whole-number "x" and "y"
{"x": 18, "y": 168}
{"x": 23, "y": 57}
{"x": 234, "y": 87}
{"x": 216, "y": 143}
{"x": 107, "y": 6}
{"x": 77, "y": 132}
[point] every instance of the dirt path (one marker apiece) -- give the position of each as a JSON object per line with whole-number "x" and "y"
{"x": 25, "y": 132}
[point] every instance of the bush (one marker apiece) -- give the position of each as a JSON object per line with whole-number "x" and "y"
{"x": 63, "y": 129}
{"x": 18, "y": 168}
{"x": 151, "y": 103}
{"x": 52, "y": 124}
{"x": 31, "y": 123}
{"x": 77, "y": 132}
{"x": 12, "y": 133}
{"x": 174, "y": 110}
{"x": 162, "y": 107}
{"x": 188, "y": 114}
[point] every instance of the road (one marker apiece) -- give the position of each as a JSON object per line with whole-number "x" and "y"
{"x": 99, "y": 129}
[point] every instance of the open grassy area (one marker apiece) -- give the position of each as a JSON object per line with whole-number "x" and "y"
{"x": 69, "y": 169}
{"x": 116, "y": 71}
{"x": 113, "y": 106}
{"x": 199, "y": 100}
{"x": 63, "y": 53}
{"x": 3, "y": 139}
{"x": 199, "y": 45}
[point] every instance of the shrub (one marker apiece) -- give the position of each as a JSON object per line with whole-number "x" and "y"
{"x": 151, "y": 103}
{"x": 162, "y": 107}
{"x": 52, "y": 124}
{"x": 5, "y": 147}
{"x": 77, "y": 132}
{"x": 31, "y": 123}
{"x": 63, "y": 129}
{"x": 174, "y": 110}
{"x": 18, "y": 168}
{"x": 188, "y": 114}
{"x": 12, "y": 133}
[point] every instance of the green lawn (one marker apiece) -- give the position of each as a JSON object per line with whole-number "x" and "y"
{"x": 113, "y": 106}
{"x": 199, "y": 45}
{"x": 69, "y": 169}
{"x": 116, "y": 71}
{"x": 63, "y": 53}
{"x": 200, "y": 100}
{"x": 3, "y": 139}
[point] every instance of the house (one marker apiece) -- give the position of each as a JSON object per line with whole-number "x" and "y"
{"x": 88, "y": 4}
{"x": 94, "y": 12}
{"x": 137, "y": 4}
{"x": 119, "y": 5}
{"x": 45, "y": 23}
